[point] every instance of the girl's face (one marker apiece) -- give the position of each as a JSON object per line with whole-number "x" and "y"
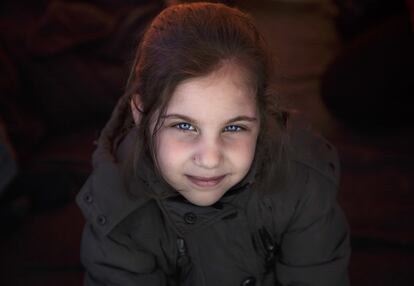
{"x": 208, "y": 138}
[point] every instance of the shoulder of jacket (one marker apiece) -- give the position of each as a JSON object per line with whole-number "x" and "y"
{"x": 312, "y": 181}
{"x": 312, "y": 150}
{"x": 104, "y": 200}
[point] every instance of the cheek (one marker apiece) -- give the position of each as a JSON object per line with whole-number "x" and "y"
{"x": 170, "y": 152}
{"x": 242, "y": 152}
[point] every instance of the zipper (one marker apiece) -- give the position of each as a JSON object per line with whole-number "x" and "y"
{"x": 183, "y": 262}
{"x": 270, "y": 248}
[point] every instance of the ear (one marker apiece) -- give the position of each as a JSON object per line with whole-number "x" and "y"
{"x": 136, "y": 108}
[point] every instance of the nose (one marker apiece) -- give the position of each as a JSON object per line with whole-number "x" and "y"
{"x": 209, "y": 154}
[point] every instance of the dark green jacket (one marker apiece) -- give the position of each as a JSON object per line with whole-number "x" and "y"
{"x": 295, "y": 236}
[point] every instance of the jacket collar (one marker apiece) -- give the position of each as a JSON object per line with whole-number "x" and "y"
{"x": 104, "y": 199}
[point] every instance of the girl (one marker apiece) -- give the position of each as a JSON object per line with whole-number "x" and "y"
{"x": 193, "y": 183}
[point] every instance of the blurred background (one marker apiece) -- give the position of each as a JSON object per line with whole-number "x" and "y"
{"x": 345, "y": 65}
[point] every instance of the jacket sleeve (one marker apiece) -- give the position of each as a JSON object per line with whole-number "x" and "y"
{"x": 315, "y": 249}
{"x": 109, "y": 261}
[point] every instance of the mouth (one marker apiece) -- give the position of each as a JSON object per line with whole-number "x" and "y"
{"x": 206, "y": 182}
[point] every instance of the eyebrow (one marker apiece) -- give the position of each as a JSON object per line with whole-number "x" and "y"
{"x": 189, "y": 119}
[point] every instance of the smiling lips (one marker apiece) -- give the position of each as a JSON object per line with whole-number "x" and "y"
{"x": 205, "y": 182}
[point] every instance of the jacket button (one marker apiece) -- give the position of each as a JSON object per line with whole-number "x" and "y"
{"x": 249, "y": 281}
{"x": 190, "y": 218}
{"x": 101, "y": 219}
{"x": 88, "y": 198}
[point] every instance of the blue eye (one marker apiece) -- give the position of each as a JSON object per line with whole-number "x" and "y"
{"x": 233, "y": 128}
{"x": 184, "y": 126}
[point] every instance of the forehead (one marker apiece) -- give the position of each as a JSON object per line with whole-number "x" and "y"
{"x": 223, "y": 93}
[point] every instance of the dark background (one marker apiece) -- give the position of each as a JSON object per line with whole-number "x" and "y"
{"x": 345, "y": 66}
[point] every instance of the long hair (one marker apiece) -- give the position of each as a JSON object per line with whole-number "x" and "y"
{"x": 192, "y": 40}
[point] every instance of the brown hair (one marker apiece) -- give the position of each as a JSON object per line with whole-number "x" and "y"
{"x": 192, "y": 40}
